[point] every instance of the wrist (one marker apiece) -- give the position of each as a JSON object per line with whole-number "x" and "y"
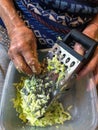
{"x": 16, "y": 30}
{"x": 9, "y": 15}
{"x": 14, "y": 22}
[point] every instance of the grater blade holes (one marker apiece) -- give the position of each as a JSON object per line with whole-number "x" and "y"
{"x": 55, "y": 49}
{"x": 58, "y": 52}
{"x": 62, "y": 56}
{"x": 72, "y": 64}
{"x": 66, "y": 67}
{"x": 53, "y": 55}
{"x": 67, "y": 60}
{"x": 62, "y": 62}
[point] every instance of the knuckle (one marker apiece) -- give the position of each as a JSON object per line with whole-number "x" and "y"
{"x": 20, "y": 45}
{"x": 25, "y": 69}
{"x": 10, "y": 52}
{"x": 31, "y": 62}
{"x": 12, "y": 49}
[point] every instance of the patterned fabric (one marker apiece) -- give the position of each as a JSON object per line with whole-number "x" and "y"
{"x": 50, "y": 19}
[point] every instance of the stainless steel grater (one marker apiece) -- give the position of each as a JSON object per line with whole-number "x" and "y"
{"x": 67, "y": 55}
{"x": 72, "y": 60}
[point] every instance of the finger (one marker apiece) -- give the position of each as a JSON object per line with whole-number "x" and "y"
{"x": 32, "y": 61}
{"x": 96, "y": 76}
{"x": 34, "y": 65}
{"x": 90, "y": 67}
{"x": 96, "y": 79}
{"x": 79, "y": 48}
{"x": 34, "y": 48}
{"x": 96, "y": 71}
{"x": 21, "y": 65}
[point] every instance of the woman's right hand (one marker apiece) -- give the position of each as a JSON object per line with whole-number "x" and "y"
{"x": 23, "y": 51}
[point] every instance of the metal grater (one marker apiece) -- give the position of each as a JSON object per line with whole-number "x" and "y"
{"x": 72, "y": 60}
{"x": 67, "y": 55}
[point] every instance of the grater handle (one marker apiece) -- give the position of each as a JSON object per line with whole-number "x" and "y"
{"x": 84, "y": 40}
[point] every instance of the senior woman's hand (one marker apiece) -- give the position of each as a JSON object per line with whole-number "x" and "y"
{"x": 92, "y": 66}
{"x": 22, "y": 50}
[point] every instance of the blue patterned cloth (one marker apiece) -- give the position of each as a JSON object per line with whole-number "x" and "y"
{"x": 50, "y": 19}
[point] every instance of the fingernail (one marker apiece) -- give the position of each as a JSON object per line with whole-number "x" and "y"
{"x": 34, "y": 69}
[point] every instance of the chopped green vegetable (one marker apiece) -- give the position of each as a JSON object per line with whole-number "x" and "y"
{"x": 32, "y": 98}
{"x": 57, "y": 67}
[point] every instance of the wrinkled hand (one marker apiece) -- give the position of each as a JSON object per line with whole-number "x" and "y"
{"x": 22, "y": 50}
{"x": 92, "y": 66}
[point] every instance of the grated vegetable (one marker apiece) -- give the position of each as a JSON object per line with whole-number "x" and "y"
{"x": 32, "y": 97}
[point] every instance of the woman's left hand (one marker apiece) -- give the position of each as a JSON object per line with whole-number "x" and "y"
{"x": 92, "y": 66}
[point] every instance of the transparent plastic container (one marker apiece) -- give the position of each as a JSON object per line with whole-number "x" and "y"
{"x": 82, "y": 97}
